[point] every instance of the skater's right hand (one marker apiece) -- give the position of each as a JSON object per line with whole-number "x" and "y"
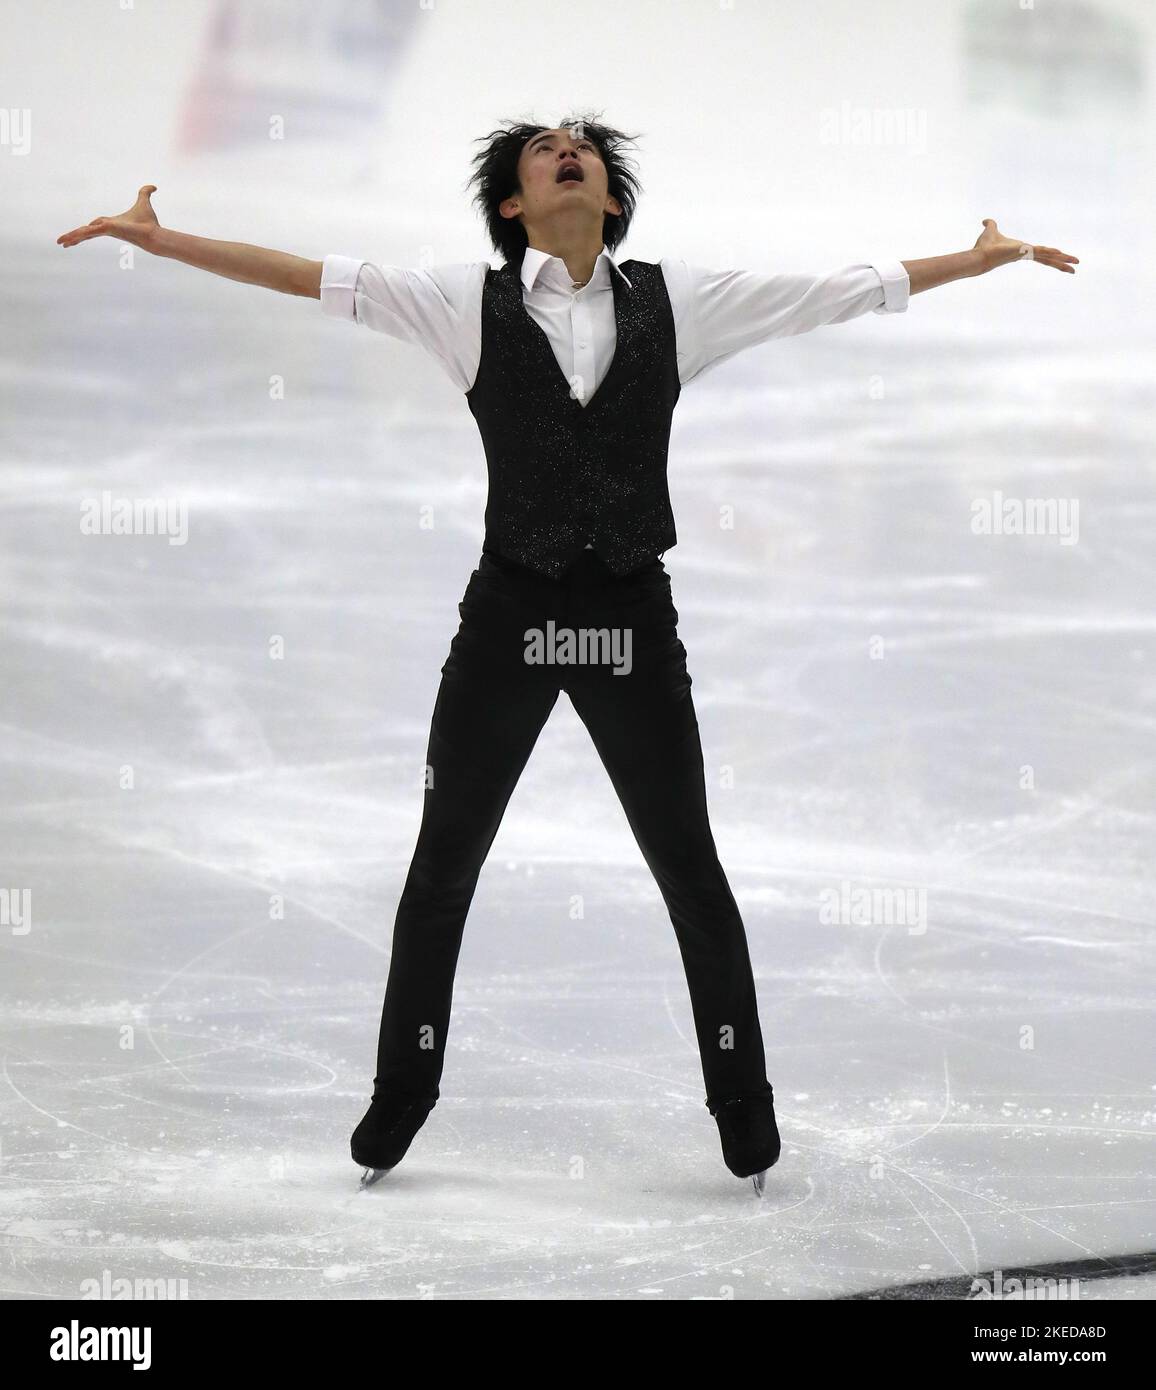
{"x": 138, "y": 226}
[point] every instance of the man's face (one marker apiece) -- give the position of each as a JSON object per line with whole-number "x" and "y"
{"x": 560, "y": 170}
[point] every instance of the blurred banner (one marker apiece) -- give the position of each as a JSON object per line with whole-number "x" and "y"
{"x": 293, "y": 68}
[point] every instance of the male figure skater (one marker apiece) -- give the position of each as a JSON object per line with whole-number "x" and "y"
{"x": 571, "y": 364}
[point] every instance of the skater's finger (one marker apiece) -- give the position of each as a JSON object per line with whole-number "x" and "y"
{"x": 76, "y": 235}
{"x": 1047, "y": 255}
{"x": 99, "y": 226}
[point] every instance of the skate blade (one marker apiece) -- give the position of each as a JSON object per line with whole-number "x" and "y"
{"x": 759, "y": 1182}
{"x": 372, "y": 1175}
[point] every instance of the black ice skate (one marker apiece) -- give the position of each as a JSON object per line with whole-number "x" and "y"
{"x": 381, "y": 1140}
{"x": 750, "y": 1137}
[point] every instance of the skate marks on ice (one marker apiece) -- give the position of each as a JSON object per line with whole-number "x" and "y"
{"x": 571, "y": 1154}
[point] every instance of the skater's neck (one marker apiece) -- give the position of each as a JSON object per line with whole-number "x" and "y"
{"x": 577, "y": 246}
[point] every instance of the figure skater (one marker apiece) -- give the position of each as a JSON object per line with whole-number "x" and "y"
{"x": 571, "y": 363}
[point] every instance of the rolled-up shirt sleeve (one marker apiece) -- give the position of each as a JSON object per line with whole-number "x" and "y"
{"x": 896, "y": 286}
{"x": 339, "y": 287}
{"x": 439, "y": 309}
{"x": 728, "y": 311}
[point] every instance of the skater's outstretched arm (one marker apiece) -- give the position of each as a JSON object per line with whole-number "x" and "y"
{"x": 992, "y": 249}
{"x": 440, "y": 309}
{"x": 252, "y": 265}
{"x": 719, "y": 313}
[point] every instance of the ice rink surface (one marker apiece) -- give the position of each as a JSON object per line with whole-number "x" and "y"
{"x": 888, "y": 701}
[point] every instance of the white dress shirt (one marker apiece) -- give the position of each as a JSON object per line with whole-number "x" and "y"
{"x": 717, "y": 313}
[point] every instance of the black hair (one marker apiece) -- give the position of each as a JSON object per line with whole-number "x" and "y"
{"x": 496, "y": 177}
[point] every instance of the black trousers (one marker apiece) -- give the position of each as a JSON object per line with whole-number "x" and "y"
{"x": 490, "y": 708}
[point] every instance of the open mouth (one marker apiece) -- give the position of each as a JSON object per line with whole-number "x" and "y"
{"x": 570, "y": 173}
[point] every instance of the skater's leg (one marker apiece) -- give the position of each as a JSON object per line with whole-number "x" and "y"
{"x": 646, "y": 732}
{"x": 489, "y": 711}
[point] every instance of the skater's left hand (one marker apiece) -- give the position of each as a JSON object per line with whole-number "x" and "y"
{"x": 996, "y": 249}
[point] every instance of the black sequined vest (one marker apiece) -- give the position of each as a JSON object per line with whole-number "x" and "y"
{"x": 562, "y": 473}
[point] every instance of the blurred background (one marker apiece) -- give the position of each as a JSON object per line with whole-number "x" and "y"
{"x": 213, "y": 749}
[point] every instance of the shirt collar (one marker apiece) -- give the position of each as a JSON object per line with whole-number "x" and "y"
{"x": 534, "y": 261}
